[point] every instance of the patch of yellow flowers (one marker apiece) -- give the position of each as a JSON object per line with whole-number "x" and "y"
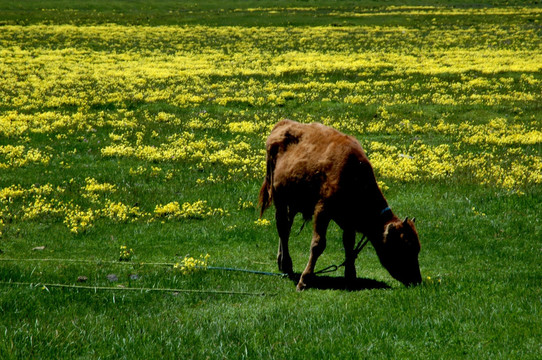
{"x": 190, "y": 265}
{"x": 19, "y": 156}
{"x": 116, "y": 76}
{"x": 79, "y": 220}
{"x": 262, "y": 222}
{"x": 119, "y": 212}
{"x": 125, "y": 253}
{"x": 40, "y": 202}
{"x": 238, "y": 156}
{"x": 423, "y": 162}
{"x": 195, "y": 210}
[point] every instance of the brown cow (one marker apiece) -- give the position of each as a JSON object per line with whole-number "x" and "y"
{"x": 324, "y": 174}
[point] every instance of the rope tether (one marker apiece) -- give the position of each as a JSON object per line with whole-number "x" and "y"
{"x": 96, "y": 288}
{"x": 111, "y": 262}
{"x": 357, "y": 249}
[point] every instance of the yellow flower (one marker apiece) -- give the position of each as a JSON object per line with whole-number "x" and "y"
{"x": 125, "y": 253}
{"x": 189, "y": 265}
{"x": 195, "y": 210}
{"x": 262, "y": 222}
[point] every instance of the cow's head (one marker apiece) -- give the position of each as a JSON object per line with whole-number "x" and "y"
{"x": 399, "y": 251}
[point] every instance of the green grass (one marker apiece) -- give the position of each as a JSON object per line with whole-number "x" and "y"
{"x": 238, "y": 12}
{"x": 481, "y": 241}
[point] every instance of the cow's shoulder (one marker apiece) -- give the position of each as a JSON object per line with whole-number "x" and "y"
{"x": 338, "y": 142}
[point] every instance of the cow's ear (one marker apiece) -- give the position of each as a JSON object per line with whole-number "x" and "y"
{"x": 388, "y": 231}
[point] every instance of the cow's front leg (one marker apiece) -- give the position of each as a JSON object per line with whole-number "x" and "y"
{"x": 284, "y": 226}
{"x": 349, "y": 240}
{"x": 318, "y": 245}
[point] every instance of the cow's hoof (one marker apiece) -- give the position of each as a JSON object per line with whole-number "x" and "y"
{"x": 304, "y": 282}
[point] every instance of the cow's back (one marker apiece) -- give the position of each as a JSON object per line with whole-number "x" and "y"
{"x": 314, "y": 163}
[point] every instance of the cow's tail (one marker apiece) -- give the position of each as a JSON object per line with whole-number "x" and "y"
{"x": 265, "y": 196}
{"x": 266, "y": 191}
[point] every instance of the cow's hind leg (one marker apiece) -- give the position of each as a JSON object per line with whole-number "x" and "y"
{"x": 349, "y": 240}
{"x": 284, "y": 225}
{"x": 318, "y": 245}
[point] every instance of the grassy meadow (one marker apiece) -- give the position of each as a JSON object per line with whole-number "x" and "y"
{"x": 132, "y": 151}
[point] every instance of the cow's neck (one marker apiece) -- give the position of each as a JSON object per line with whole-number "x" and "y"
{"x": 374, "y": 215}
{"x": 376, "y": 227}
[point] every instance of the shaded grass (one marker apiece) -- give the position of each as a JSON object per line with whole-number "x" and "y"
{"x": 240, "y": 12}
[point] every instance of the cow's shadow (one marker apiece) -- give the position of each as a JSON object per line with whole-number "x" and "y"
{"x": 324, "y": 282}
